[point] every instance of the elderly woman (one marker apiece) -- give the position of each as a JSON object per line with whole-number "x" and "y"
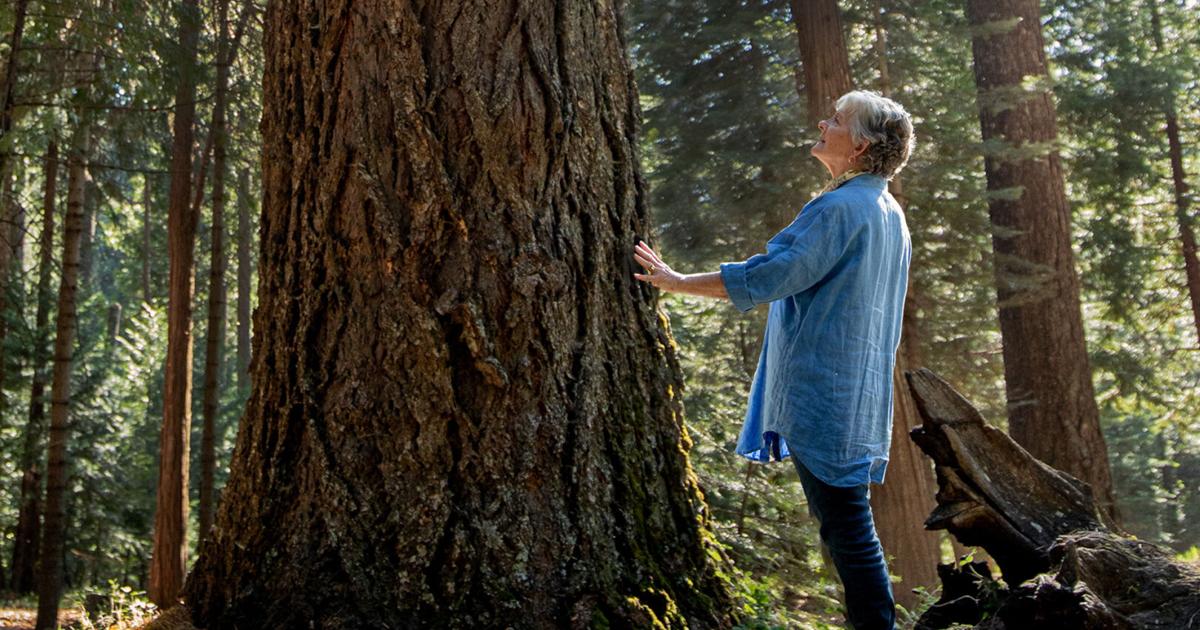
{"x": 835, "y": 280}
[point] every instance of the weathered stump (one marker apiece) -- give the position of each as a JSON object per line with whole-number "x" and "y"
{"x": 1061, "y": 566}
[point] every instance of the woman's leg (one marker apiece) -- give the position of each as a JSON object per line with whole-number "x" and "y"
{"x": 848, "y": 530}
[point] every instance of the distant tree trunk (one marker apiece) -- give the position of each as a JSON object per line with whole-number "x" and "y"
{"x": 7, "y": 211}
{"x": 170, "y": 517}
{"x": 8, "y": 207}
{"x": 147, "y": 295}
{"x": 215, "y": 340}
{"x": 28, "y": 533}
{"x": 14, "y": 221}
{"x": 465, "y": 412}
{"x": 11, "y": 71}
{"x": 54, "y": 529}
{"x": 826, "y": 64}
{"x": 245, "y": 273}
{"x": 900, "y": 505}
{"x": 1183, "y": 217}
{"x": 91, "y": 201}
{"x": 113, "y": 325}
{"x": 17, "y": 238}
{"x": 1047, "y": 374}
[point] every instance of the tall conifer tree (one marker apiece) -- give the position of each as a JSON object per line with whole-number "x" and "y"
{"x": 1047, "y": 371}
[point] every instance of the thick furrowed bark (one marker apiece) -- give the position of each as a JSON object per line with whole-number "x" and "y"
{"x": 465, "y": 412}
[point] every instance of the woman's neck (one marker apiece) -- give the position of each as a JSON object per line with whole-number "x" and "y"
{"x": 844, "y": 177}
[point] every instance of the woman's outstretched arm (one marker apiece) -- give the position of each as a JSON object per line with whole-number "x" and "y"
{"x": 660, "y": 274}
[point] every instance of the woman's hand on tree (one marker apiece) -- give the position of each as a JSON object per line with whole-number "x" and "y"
{"x": 658, "y": 273}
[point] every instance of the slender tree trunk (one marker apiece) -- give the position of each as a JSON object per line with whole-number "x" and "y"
{"x": 900, "y": 505}
{"x": 54, "y": 528}
{"x": 17, "y": 238}
{"x": 171, "y": 513}
{"x": 11, "y": 71}
{"x": 825, "y": 62}
{"x": 465, "y": 411}
{"x": 147, "y": 295}
{"x": 91, "y": 201}
{"x": 7, "y": 211}
{"x": 14, "y": 221}
{"x": 245, "y": 273}
{"x": 28, "y": 533}
{"x": 1047, "y": 373}
{"x": 216, "y": 286}
{"x": 1183, "y": 217}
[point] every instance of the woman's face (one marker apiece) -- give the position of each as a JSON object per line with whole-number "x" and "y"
{"x": 836, "y": 150}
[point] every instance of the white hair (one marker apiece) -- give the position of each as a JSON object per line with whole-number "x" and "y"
{"x": 884, "y": 125}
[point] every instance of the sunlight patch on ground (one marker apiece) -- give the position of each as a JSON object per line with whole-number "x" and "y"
{"x": 24, "y": 618}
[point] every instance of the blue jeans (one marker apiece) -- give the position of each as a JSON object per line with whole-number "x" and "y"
{"x": 848, "y": 530}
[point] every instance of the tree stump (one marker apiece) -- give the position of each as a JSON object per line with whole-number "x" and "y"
{"x": 1061, "y": 564}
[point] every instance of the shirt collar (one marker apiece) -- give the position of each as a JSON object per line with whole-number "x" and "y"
{"x": 870, "y": 180}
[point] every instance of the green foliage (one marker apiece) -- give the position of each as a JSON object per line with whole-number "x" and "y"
{"x": 725, "y": 153}
{"x": 1114, "y": 87}
{"x": 726, "y": 160}
{"x": 114, "y": 63}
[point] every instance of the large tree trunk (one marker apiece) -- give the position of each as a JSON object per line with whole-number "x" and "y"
{"x": 244, "y": 279}
{"x": 465, "y": 413}
{"x": 215, "y": 340}
{"x": 1061, "y": 568}
{"x": 824, "y": 60}
{"x": 170, "y": 517}
{"x": 1183, "y": 217}
{"x": 900, "y": 504}
{"x": 1047, "y": 374}
{"x": 55, "y": 525}
{"x": 28, "y": 533}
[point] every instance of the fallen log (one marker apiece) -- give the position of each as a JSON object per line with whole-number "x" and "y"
{"x": 1061, "y": 566}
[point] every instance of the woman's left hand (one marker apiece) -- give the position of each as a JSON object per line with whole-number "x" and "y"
{"x": 658, "y": 273}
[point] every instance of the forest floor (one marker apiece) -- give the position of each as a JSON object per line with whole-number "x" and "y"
{"x": 13, "y": 617}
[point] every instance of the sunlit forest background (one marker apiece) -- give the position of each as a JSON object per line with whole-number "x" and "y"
{"x": 724, "y": 149}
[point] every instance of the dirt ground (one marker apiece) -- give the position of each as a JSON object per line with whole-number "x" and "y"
{"x": 24, "y": 618}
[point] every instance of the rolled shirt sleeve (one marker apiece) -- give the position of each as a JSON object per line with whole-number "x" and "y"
{"x": 797, "y": 258}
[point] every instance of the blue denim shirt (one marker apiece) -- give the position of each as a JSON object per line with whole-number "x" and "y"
{"x": 835, "y": 279}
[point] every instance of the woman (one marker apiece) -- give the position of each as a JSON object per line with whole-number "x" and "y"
{"x": 835, "y": 280}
